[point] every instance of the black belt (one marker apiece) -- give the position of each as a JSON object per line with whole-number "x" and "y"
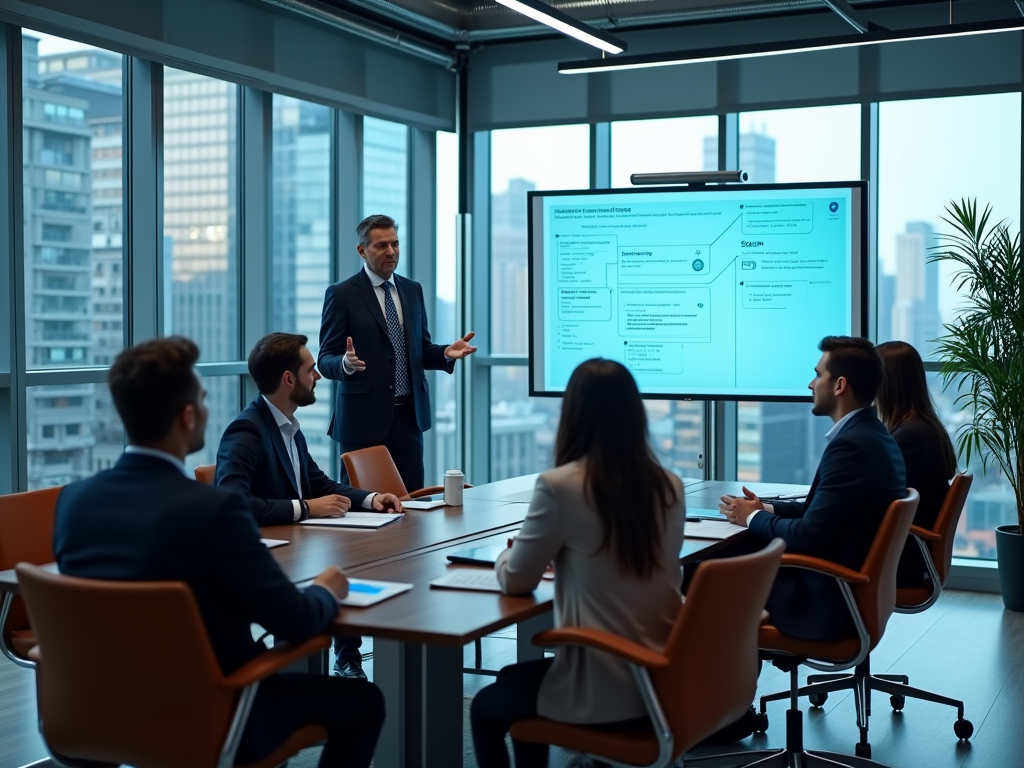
{"x": 403, "y": 399}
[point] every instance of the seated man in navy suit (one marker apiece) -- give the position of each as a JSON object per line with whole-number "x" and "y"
{"x": 263, "y": 456}
{"x": 147, "y": 519}
{"x": 861, "y": 473}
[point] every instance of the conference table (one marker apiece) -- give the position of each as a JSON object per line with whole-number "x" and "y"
{"x": 419, "y": 635}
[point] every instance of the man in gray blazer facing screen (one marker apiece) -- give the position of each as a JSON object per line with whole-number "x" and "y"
{"x": 374, "y": 342}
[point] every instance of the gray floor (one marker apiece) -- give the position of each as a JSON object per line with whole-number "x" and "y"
{"x": 966, "y": 645}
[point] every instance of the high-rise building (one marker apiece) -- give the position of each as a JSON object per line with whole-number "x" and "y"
{"x": 756, "y": 156}
{"x": 886, "y": 300}
{"x": 915, "y": 313}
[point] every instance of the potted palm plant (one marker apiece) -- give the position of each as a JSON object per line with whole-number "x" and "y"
{"x": 982, "y": 354}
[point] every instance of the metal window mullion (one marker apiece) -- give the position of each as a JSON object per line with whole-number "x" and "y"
{"x": 475, "y": 432}
{"x": 600, "y": 156}
{"x": 146, "y": 307}
{"x": 869, "y": 172}
{"x": 13, "y": 419}
{"x": 255, "y": 148}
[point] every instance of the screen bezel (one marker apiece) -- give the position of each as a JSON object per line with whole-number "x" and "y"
{"x": 858, "y": 278}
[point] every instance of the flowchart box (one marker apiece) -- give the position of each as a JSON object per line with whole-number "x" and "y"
{"x": 653, "y": 263}
{"x": 789, "y": 294}
{"x": 594, "y": 304}
{"x": 783, "y": 218}
{"x": 652, "y": 357}
{"x": 667, "y": 313}
{"x": 583, "y": 260}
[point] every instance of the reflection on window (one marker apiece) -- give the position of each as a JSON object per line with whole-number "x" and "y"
{"x": 200, "y": 213}
{"x": 73, "y": 432}
{"x": 73, "y": 250}
{"x": 443, "y": 324}
{"x": 386, "y": 177}
{"x": 301, "y": 257}
{"x": 660, "y": 146}
{"x": 223, "y": 401}
{"x": 523, "y": 159}
{"x": 783, "y": 442}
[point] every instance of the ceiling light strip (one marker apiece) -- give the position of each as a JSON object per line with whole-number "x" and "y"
{"x": 732, "y": 53}
{"x": 567, "y": 25}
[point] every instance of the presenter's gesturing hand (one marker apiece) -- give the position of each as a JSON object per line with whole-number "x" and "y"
{"x": 460, "y": 348}
{"x": 386, "y": 502}
{"x": 737, "y": 510}
{"x": 351, "y": 360}
{"x": 329, "y": 506}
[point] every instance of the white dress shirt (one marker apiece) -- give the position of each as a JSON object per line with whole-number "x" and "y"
{"x": 289, "y": 426}
{"x": 141, "y": 451}
{"x": 829, "y": 436}
{"x": 378, "y": 282}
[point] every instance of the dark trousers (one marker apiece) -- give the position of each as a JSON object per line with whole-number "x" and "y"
{"x": 404, "y": 442}
{"x": 352, "y": 711}
{"x": 347, "y": 649}
{"x": 512, "y": 696}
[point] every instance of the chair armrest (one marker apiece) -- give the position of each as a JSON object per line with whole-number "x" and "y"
{"x": 603, "y": 641}
{"x": 824, "y": 566}
{"x": 274, "y": 660}
{"x": 924, "y": 533}
{"x": 430, "y": 489}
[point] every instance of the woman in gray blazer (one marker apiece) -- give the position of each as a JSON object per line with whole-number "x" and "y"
{"x": 611, "y": 519}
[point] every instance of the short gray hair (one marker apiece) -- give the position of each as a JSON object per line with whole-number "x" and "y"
{"x": 376, "y": 221}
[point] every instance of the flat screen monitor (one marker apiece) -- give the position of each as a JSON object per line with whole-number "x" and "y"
{"x": 718, "y": 292}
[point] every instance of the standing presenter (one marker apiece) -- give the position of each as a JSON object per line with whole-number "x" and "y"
{"x": 374, "y": 342}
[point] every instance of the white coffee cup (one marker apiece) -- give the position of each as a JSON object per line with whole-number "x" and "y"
{"x": 454, "y": 480}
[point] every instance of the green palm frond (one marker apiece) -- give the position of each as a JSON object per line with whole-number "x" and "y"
{"x": 982, "y": 350}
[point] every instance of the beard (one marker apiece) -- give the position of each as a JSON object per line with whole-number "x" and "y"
{"x": 303, "y": 397}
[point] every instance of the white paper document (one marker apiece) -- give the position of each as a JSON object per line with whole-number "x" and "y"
{"x": 423, "y": 504}
{"x": 355, "y": 520}
{"x": 271, "y": 543}
{"x": 712, "y": 529}
{"x": 363, "y": 592}
{"x": 476, "y": 579}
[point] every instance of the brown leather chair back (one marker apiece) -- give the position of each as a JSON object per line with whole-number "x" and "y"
{"x": 716, "y": 635}
{"x": 206, "y": 473}
{"x": 946, "y": 522}
{"x": 876, "y": 600}
{"x": 151, "y": 696}
{"x": 26, "y": 536}
{"x": 374, "y": 468}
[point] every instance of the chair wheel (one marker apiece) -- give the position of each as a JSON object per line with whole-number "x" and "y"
{"x": 818, "y": 699}
{"x": 863, "y": 750}
{"x": 760, "y": 723}
{"x": 898, "y": 702}
{"x": 963, "y": 729}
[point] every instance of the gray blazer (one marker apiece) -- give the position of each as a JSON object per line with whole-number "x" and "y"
{"x": 587, "y": 686}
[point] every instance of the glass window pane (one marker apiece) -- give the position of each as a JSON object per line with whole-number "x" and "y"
{"x": 301, "y": 234}
{"x": 968, "y": 146}
{"x": 677, "y": 435}
{"x": 783, "y": 442}
{"x": 522, "y": 428}
{"x": 73, "y": 432}
{"x": 386, "y": 176}
{"x": 809, "y": 144}
{"x": 443, "y": 324}
{"x": 200, "y": 213}
{"x": 223, "y": 401}
{"x": 660, "y": 146}
{"x": 74, "y": 204}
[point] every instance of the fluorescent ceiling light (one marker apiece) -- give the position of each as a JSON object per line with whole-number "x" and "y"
{"x": 566, "y": 24}
{"x": 730, "y": 53}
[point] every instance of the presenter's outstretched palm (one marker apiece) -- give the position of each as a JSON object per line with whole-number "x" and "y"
{"x": 461, "y": 348}
{"x": 351, "y": 359}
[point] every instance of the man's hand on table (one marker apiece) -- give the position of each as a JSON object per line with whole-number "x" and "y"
{"x": 334, "y": 581}
{"x": 386, "y": 502}
{"x": 738, "y": 508}
{"x": 329, "y": 506}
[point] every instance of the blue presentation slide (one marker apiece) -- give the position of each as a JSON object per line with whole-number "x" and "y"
{"x": 698, "y": 293}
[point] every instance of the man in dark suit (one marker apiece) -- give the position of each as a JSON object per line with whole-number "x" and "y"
{"x": 264, "y": 457}
{"x": 147, "y": 519}
{"x": 382, "y": 396}
{"x": 861, "y": 473}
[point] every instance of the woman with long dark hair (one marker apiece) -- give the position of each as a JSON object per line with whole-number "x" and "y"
{"x": 611, "y": 519}
{"x": 906, "y": 409}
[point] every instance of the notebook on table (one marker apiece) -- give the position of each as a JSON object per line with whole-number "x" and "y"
{"x": 355, "y": 520}
{"x": 365, "y": 592}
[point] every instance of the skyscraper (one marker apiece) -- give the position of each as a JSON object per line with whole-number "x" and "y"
{"x": 915, "y": 314}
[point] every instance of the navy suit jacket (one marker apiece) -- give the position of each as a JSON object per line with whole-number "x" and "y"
{"x": 861, "y": 473}
{"x": 143, "y": 520}
{"x": 364, "y": 401}
{"x": 253, "y": 461}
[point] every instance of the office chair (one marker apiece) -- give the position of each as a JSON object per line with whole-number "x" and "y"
{"x": 936, "y": 546}
{"x": 715, "y": 634}
{"x": 104, "y": 703}
{"x": 26, "y": 536}
{"x": 870, "y": 596}
{"x": 374, "y": 468}
{"x": 206, "y": 473}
